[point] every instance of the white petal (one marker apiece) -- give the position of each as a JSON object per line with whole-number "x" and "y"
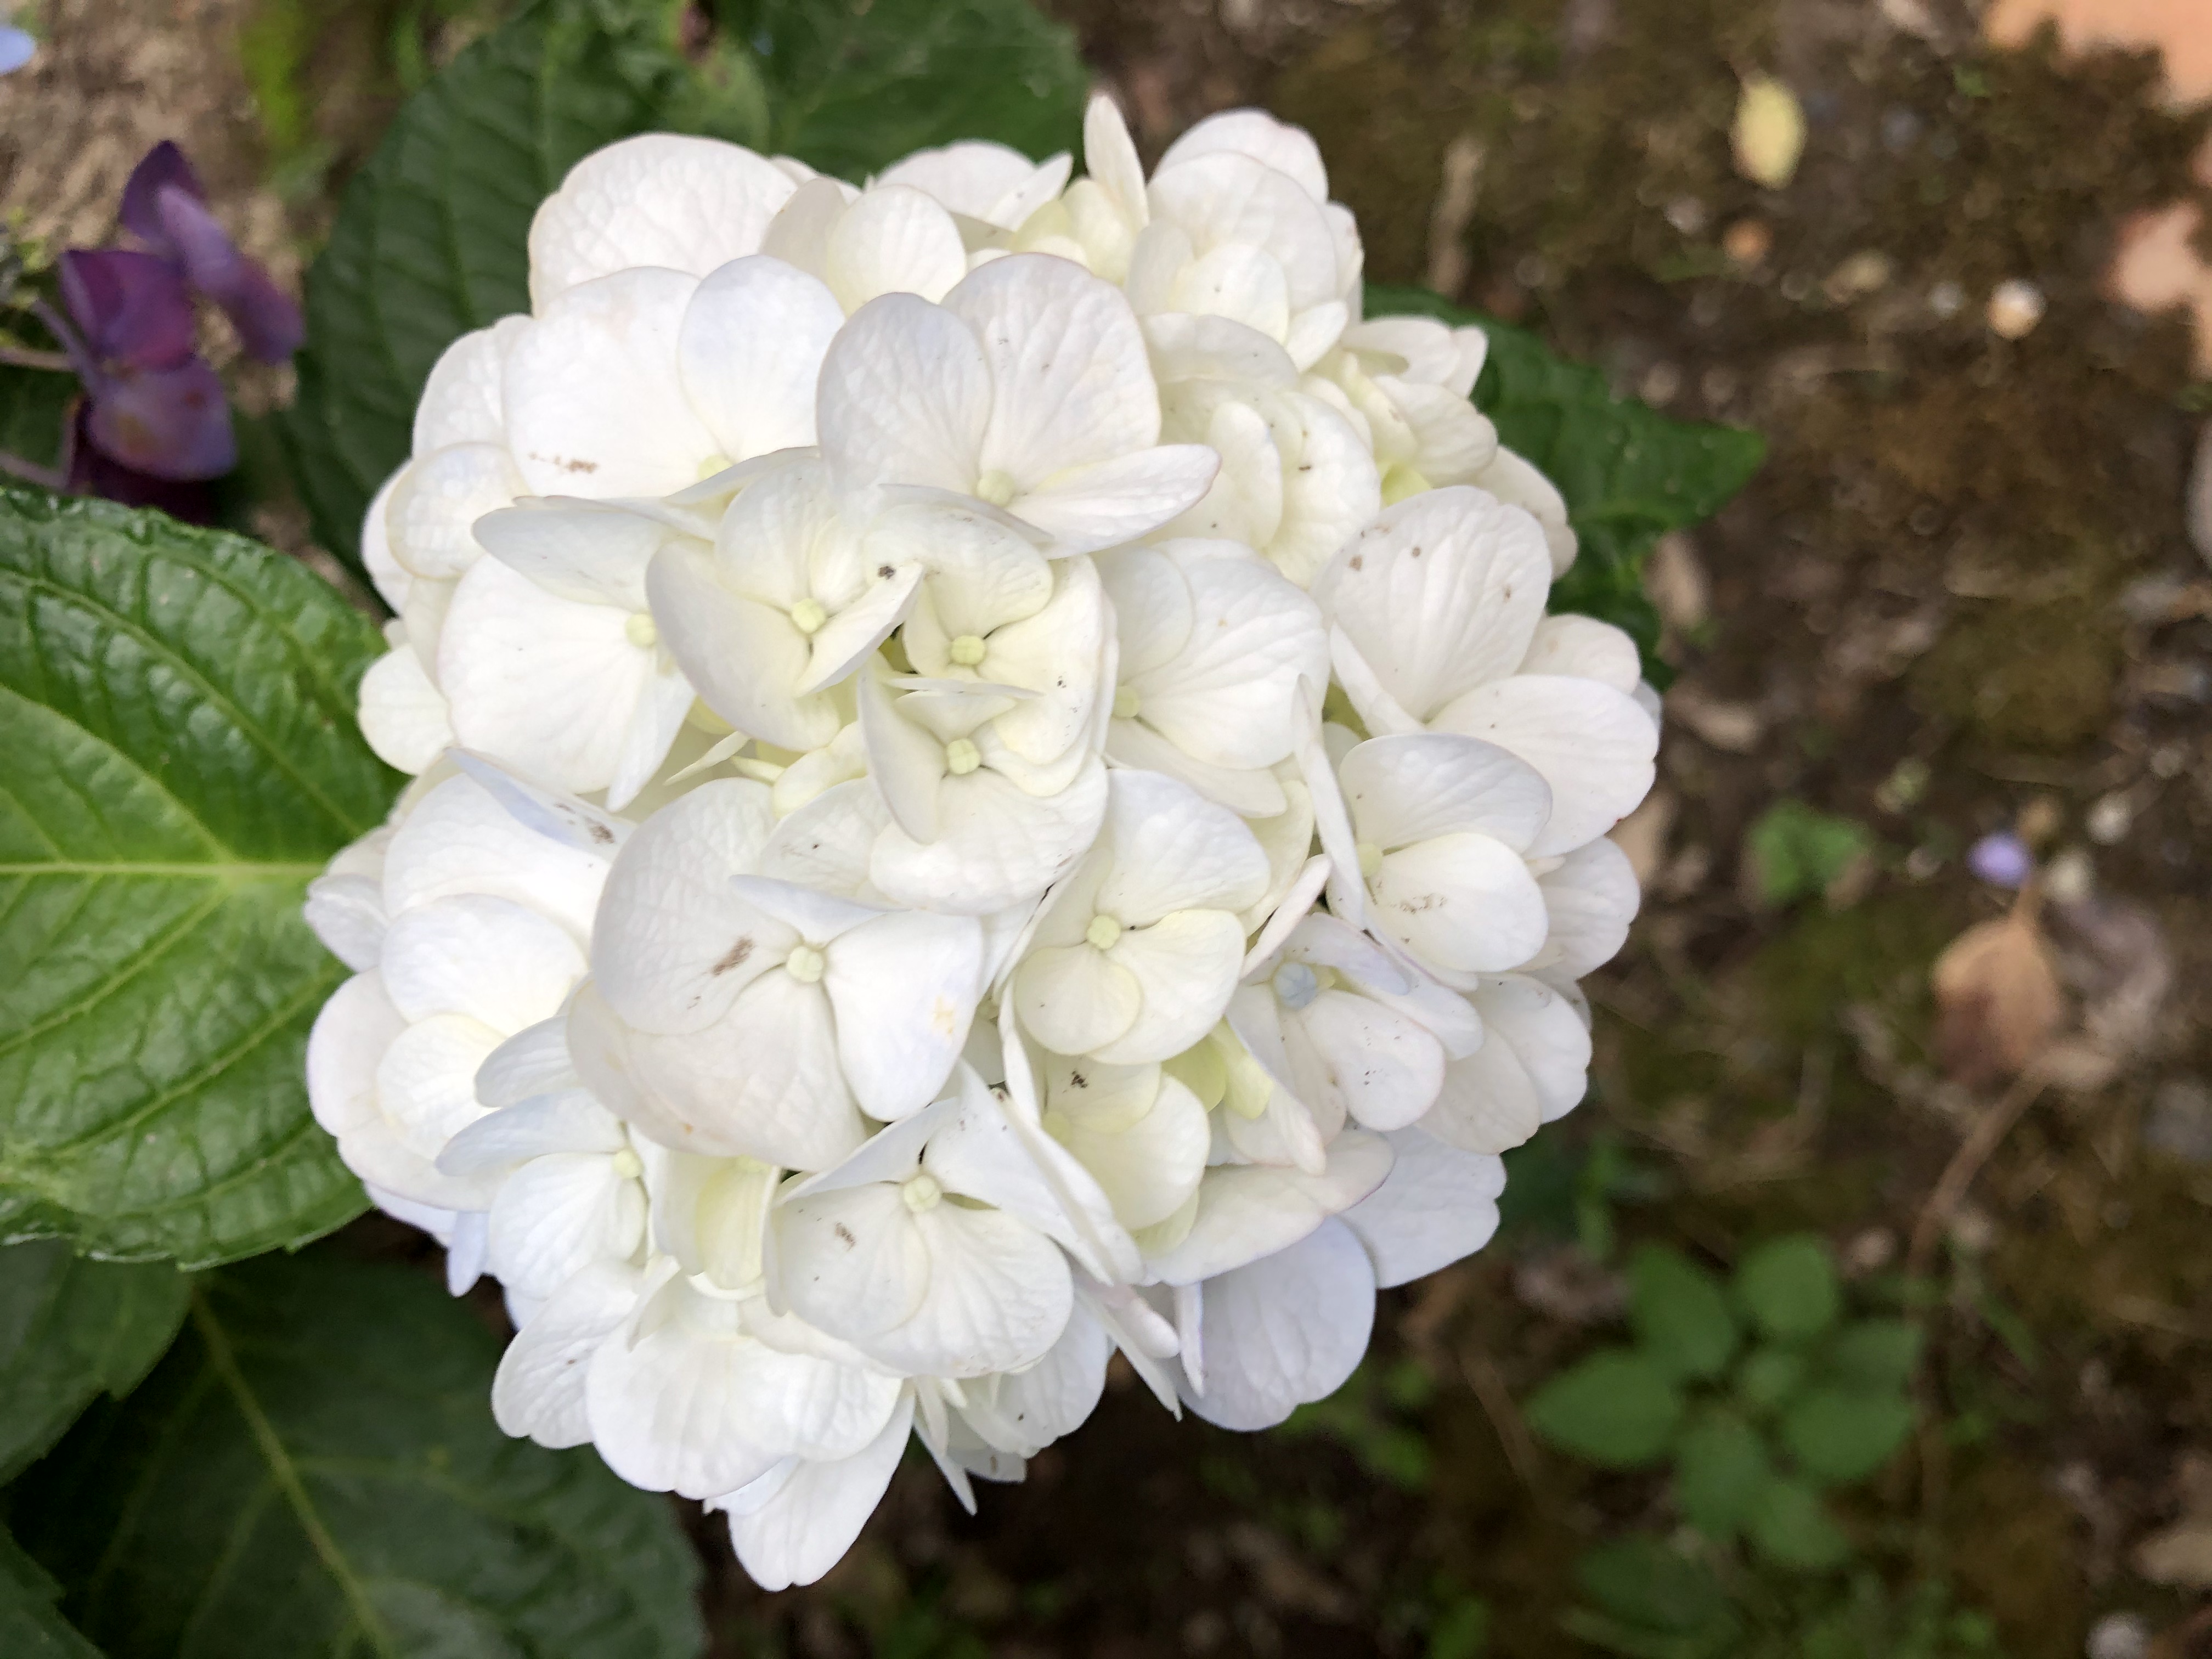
{"x": 1593, "y": 744}
{"x": 749, "y": 351}
{"x": 1463, "y": 903}
{"x": 582, "y": 551}
{"x": 1226, "y": 697}
{"x": 386, "y": 575}
{"x": 349, "y": 1036}
{"x": 347, "y": 913}
{"x": 1388, "y": 1067}
{"x": 498, "y": 962}
{"x": 1255, "y": 133}
{"x": 999, "y": 1295}
{"x": 850, "y": 1261}
{"x": 894, "y": 239}
{"x": 558, "y": 1214}
{"x": 1074, "y": 998}
{"x": 570, "y": 1121}
{"x": 404, "y": 715}
{"x": 691, "y": 205}
{"x": 459, "y": 839}
{"x": 1441, "y": 593}
{"x": 1515, "y": 481}
{"x": 1173, "y": 850}
{"x": 543, "y": 685}
{"x": 1438, "y": 1204}
{"x": 1586, "y": 646}
{"x": 1591, "y": 897}
{"x": 1550, "y": 1032}
{"x": 1149, "y": 1168}
{"x": 1225, "y": 197}
{"x": 1115, "y": 501}
{"x": 533, "y": 1061}
{"x": 426, "y": 1094}
{"x": 1185, "y": 965}
{"x": 1284, "y": 1330}
{"x": 905, "y": 396}
{"x": 996, "y": 846}
{"x": 429, "y": 518}
{"x": 797, "y": 1535}
{"x": 538, "y": 1390}
{"x": 1248, "y": 1210}
{"x": 745, "y": 658}
{"x": 461, "y": 401}
{"x": 903, "y": 986}
{"x": 1415, "y": 787}
{"x": 675, "y": 944}
{"x": 1070, "y": 383}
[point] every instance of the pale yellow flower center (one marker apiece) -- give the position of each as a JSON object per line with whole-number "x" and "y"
{"x": 1370, "y": 859}
{"x": 962, "y": 756}
{"x": 627, "y": 1165}
{"x": 640, "y": 631}
{"x": 995, "y": 488}
{"x": 921, "y": 1192}
{"x": 805, "y": 964}
{"x": 808, "y": 615}
{"x": 1103, "y": 931}
{"x": 967, "y": 650}
{"x": 1126, "y": 703}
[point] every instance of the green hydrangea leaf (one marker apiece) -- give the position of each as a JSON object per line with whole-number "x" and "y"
{"x": 1874, "y": 1353}
{"x": 1721, "y": 1467}
{"x": 1615, "y": 1407}
{"x": 1629, "y": 474}
{"x": 31, "y": 1625}
{"x": 314, "y": 1470}
{"x": 71, "y": 1329}
{"x": 177, "y": 707}
{"x": 1838, "y": 1435}
{"x": 1679, "y": 1312}
{"x": 853, "y": 85}
{"x": 1789, "y": 1287}
{"x": 1790, "y": 1526}
{"x": 1768, "y": 1377}
{"x": 1641, "y": 1582}
{"x": 1796, "y": 850}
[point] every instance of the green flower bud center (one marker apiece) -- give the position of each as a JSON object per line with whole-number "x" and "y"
{"x": 967, "y": 650}
{"x": 962, "y": 756}
{"x": 627, "y": 1165}
{"x": 995, "y": 488}
{"x": 805, "y": 964}
{"x": 1103, "y": 931}
{"x": 641, "y": 630}
{"x": 921, "y": 1192}
{"x": 1126, "y": 703}
{"x": 808, "y": 615}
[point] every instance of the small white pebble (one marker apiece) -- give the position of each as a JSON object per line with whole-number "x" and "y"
{"x": 2071, "y": 878}
{"x": 2109, "y": 819}
{"x": 2118, "y": 1636}
{"x": 2015, "y": 308}
{"x": 1769, "y": 136}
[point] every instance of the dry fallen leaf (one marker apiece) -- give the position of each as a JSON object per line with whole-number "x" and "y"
{"x": 1997, "y": 998}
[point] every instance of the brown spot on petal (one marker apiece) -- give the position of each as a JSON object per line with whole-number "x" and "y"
{"x": 733, "y": 957}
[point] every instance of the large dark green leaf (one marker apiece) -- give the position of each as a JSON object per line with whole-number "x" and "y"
{"x": 71, "y": 1329}
{"x": 31, "y": 1625}
{"x": 854, "y": 84}
{"x": 177, "y": 709}
{"x": 314, "y": 1471}
{"x": 431, "y": 235}
{"x": 1629, "y": 474}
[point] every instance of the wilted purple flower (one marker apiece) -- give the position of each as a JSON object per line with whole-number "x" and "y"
{"x": 153, "y": 405}
{"x": 2001, "y": 859}
{"x": 165, "y": 208}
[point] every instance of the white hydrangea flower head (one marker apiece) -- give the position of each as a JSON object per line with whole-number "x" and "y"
{"x": 882, "y": 923}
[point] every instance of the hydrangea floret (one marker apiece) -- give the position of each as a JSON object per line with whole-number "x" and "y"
{"x": 993, "y": 786}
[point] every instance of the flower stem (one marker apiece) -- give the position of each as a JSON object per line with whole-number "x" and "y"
{"x": 46, "y": 477}
{"x": 26, "y": 357}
